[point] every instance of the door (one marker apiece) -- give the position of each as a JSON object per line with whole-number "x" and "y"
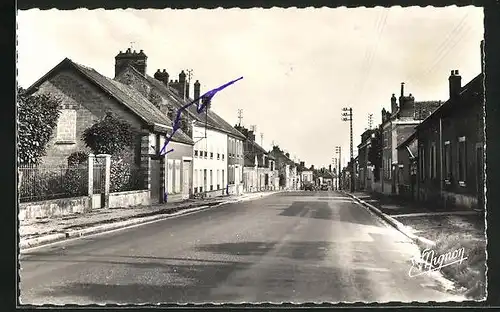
{"x": 186, "y": 181}
{"x": 155, "y": 181}
{"x": 480, "y": 177}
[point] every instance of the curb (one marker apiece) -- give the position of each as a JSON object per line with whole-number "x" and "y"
{"x": 393, "y": 222}
{"x": 136, "y": 220}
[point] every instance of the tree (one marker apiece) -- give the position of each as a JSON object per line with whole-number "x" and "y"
{"x": 37, "y": 118}
{"x": 375, "y": 153}
{"x": 109, "y": 136}
{"x": 115, "y": 137}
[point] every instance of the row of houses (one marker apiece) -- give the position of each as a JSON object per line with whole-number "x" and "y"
{"x": 209, "y": 156}
{"x": 429, "y": 151}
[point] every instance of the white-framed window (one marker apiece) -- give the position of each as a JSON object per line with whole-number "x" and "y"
{"x": 462, "y": 160}
{"x": 66, "y": 126}
{"x": 170, "y": 176}
{"x": 195, "y": 178}
{"x": 218, "y": 179}
{"x": 177, "y": 176}
{"x": 211, "y": 180}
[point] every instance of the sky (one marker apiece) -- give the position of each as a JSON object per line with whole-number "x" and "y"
{"x": 300, "y": 67}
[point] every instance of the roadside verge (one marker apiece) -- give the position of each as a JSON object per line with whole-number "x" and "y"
{"x": 447, "y": 234}
{"x": 394, "y": 223}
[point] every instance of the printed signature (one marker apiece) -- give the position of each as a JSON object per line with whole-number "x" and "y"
{"x": 429, "y": 262}
{"x": 205, "y": 100}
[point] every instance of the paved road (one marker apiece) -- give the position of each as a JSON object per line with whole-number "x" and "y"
{"x": 288, "y": 247}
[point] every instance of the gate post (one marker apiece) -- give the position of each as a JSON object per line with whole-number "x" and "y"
{"x": 107, "y": 179}
{"x": 90, "y": 193}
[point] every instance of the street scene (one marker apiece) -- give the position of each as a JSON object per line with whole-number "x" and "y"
{"x": 278, "y": 166}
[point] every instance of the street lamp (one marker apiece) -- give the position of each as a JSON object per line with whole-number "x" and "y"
{"x": 347, "y": 116}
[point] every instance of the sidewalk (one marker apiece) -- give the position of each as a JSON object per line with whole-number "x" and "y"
{"x": 37, "y": 232}
{"x": 441, "y": 231}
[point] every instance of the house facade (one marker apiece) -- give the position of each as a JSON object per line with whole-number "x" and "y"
{"x": 287, "y": 170}
{"x": 407, "y": 167}
{"x": 258, "y": 170}
{"x": 397, "y": 125}
{"x": 87, "y": 96}
{"x": 217, "y": 153}
{"x": 364, "y": 165}
{"x": 451, "y": 147}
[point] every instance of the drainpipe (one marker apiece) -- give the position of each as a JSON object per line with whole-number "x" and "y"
{"x": 441, "y": 157}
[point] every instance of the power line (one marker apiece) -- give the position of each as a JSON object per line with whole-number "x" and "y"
{"x": 444, "y": 48}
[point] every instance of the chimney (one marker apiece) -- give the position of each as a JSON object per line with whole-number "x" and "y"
{"x": 330, "y": 168}
{"x": 455, "y": 81}
{"x": 402, "y": 89}
{"x": 136, "y": 60}
{"x": 166, "y": 77}
{"x": 251, "y": 135}
{"x": 182, "y": 83}
{"x": 196, "y": 94}
{"x": 303, "y": 164}
{"x": 482, "y": 56}
{"x": 394, "y": 104}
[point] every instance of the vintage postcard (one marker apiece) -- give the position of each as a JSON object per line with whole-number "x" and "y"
{"x": 329, "y": 155}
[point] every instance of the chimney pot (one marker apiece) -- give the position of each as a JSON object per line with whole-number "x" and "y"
{"x": 455, "y": 84}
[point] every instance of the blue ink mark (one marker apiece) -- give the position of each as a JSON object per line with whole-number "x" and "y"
{"x": 206, "y": 98}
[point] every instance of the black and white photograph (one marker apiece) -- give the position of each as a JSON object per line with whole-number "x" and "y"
{"x": 245, "y": 156}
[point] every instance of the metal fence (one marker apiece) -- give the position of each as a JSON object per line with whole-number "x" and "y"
{"x": 98, "y": 176}
{"x": 38, "y": 183}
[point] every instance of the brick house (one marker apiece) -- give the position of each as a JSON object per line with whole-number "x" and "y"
{"x": 451, "y": 147}
{"x": 259, "y": 169}
{"x": 397, "y": 125}
{"x": 364, "y": 165}
{"x": 218, "y": 148}
{"x": 88, "y": 96}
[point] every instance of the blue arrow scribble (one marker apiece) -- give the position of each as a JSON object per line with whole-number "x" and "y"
{"x": 206, "y": 98}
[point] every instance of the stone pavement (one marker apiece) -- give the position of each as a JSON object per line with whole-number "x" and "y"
{"x": 30, "y": 230}
{"x": 428, "y": 222}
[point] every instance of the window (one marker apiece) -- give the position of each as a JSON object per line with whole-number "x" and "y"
{"x": 421, "y": 162}
{"x": 223, "y": 178}
{"x": 389, "y": 167}
{"x": 433, "y": 163}
{"x": 218, "y": 179}
{"x": 447, "y": 161}
{"x": 241, "y": 174}
{"x": 462, "y": 161}
{"x": 204, "y": 177}
{"x": 218, "y": 156}
{"x": 211, "y": 155}
{"x": 195, "y": 180}
{"x": 177, "y": 176}
{"x": 211, "y": 181}
{"x": 206, "y": 154}
{"x": 222, "y": 156}
{"x": 66, "y": 126}
{"x": 170, "y": 176}
{"x": 195, "y": 153}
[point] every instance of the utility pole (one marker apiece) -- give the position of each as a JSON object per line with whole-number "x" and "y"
{"x": 240, "y": 116}
{"x": 338, "y": 150}
{"x": 261, "y": 139}
{"x": 370, "y": 121}
{"x": 347, "y": 116}
{"x": 189, "y": 73}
